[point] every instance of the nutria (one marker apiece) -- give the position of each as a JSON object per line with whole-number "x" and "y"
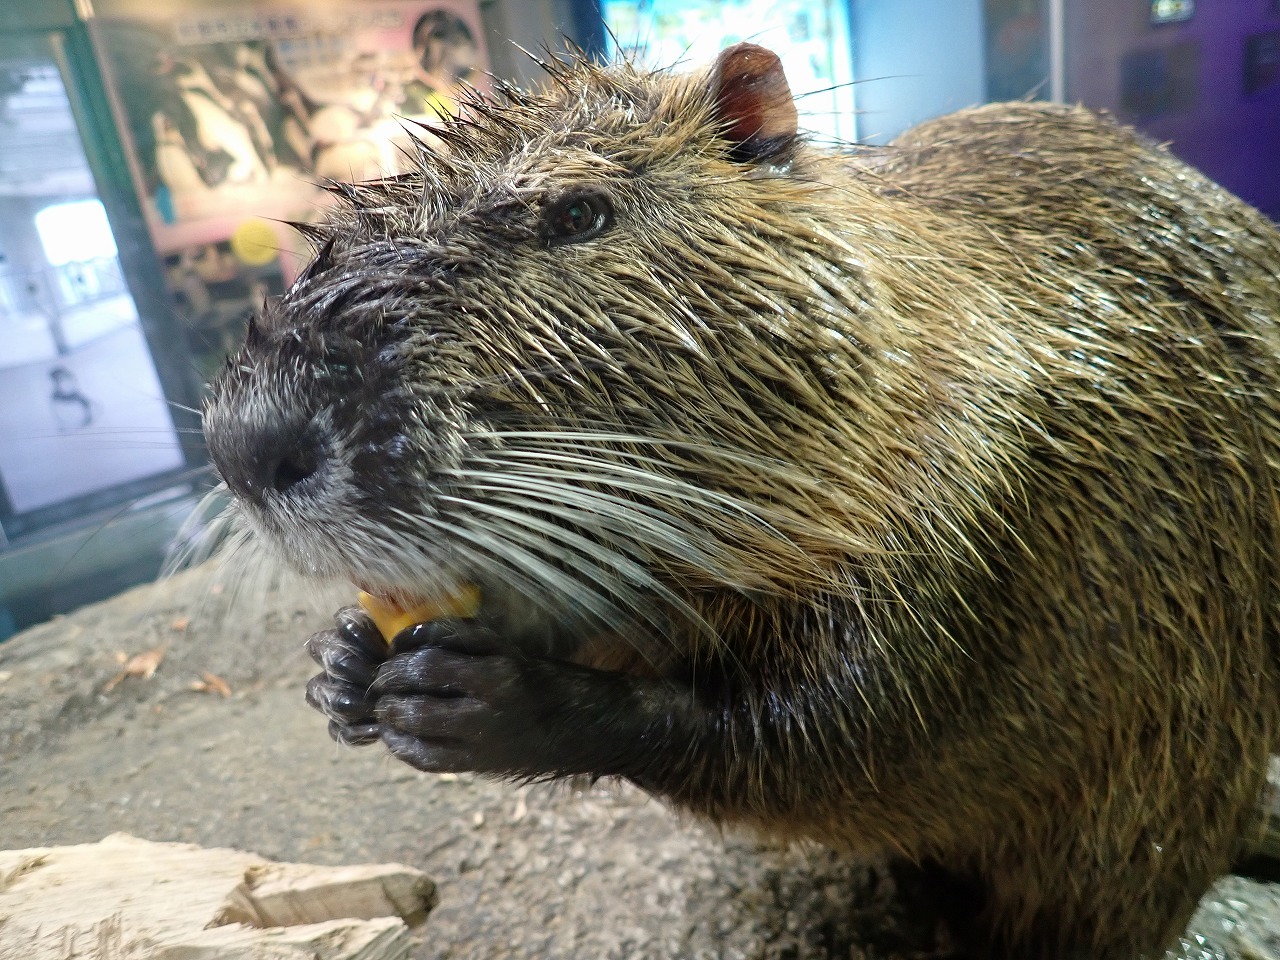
{"x": 919, "y": 499}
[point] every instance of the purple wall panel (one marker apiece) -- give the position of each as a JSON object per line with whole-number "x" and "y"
{"x": 1210, "y": 85}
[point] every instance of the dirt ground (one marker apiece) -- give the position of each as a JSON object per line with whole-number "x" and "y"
{"x": 523, "y": 872}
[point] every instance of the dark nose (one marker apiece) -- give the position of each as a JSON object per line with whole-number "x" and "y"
{"x": 256, "y": 460}
{"x": 290, "y": 469}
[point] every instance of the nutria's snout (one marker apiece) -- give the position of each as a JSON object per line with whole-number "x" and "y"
{"x": 271, "y": 426}
{"x": 308, "y": 427}
{"x": 284, "y": 456}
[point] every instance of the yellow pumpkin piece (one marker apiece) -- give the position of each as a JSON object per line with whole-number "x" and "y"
{"x": 390, "y": 618}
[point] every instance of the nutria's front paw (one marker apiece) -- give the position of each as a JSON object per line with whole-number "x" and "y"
{"x": 449, "y": 700}
{"x": 350, "y": 655}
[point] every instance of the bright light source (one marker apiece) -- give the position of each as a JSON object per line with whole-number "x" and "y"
{"x": 76, "y": 231}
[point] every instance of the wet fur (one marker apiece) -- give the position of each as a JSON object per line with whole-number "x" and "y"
{"x": 951, "y": 466}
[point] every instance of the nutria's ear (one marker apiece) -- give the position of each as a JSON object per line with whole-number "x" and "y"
{"x": 321, "y": 262}
{"x": 753, "y": 101}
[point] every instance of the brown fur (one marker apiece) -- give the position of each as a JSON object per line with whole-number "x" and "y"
{"x": 965, "y": 450}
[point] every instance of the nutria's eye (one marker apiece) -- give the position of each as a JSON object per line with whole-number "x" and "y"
{"x": 577, "y": 217}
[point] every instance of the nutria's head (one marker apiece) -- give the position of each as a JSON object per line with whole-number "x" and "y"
{"x": 578, "y": 354}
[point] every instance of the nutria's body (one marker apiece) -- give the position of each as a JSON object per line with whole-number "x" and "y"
{"x": 922, "y": 500}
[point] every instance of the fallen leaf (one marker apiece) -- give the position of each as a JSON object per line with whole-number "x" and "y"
{"x": 144, "y": 664}
{"x": 141, "y": 665}
{"x": 211, "y": 683}
{"x": 180, "y": 623}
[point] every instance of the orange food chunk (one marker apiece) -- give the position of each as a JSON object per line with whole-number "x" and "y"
{"x": 390, "y": 618}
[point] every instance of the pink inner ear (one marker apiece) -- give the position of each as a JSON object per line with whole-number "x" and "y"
{"x": 753, "y": 100}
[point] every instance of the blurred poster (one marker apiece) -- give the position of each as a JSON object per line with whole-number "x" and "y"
{"x": 233, "y": 115}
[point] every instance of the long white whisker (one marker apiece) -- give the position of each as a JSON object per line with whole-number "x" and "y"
{"x": 617, "y": 476}
{"x": 200, "y": 534}
{"x": 474, "y": 551}
{"x": 540, "y": 576}
{"x": 606, "y": 512}
{"x": 590, "y": 558}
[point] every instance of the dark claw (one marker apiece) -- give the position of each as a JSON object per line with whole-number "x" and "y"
{"x": 340, "y": 659}
{"x": 352, "y": 650}
{"x": 339, "y": 701}
{"x": 349, "y": 654}
{"x": 362, "y": 631}
{"x": 354, "y": 735}
{"x": 351, "y": 715}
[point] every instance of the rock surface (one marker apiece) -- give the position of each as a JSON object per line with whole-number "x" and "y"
{"x": 88, "y": 748}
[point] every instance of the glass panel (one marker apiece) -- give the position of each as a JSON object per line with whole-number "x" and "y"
{"x": 81, "y": 408}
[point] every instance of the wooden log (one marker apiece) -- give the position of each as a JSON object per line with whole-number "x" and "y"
{"x": 288, "y": 894}
{"x": 125, "y": 898}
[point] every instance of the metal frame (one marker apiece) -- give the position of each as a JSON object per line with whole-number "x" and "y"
{"x": 1057, "y": 51}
